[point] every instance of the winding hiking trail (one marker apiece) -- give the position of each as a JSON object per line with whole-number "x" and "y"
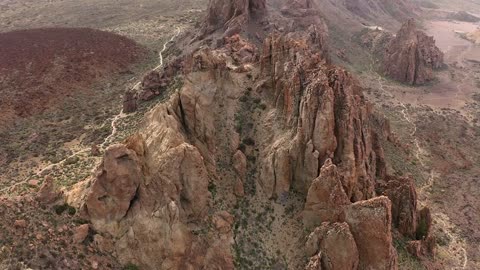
{"x": 108, "y": 139}
{"x": 456, "y": 245}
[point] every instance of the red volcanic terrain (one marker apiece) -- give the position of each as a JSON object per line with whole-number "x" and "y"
{"x": 40, "y": 66}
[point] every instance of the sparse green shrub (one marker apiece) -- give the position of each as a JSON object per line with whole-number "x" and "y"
{"x": 248, "y": 141}
{"x": 213, "y": 189}
{"x": 59, "y": 209}
{"x": 242, "y": 147}
{"x": 131, "y": 266}
{"x": 422, "y": 229}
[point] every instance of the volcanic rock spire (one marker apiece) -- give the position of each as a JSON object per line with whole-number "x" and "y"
{"x": 412, "y": 56}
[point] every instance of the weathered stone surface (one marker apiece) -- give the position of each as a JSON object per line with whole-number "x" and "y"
{"x": 154, "y": 83}
{"x": 370, "y": 223}
{"x": 102, "y": 243}
{"x": 231, "y": 15}
{"x": 402, "y": 194}
{"x": 326, "y": 198}
{"x": 325, "y": 116}
{"x": 334, "y": 243}
{"x": 149, "y": 187}
{"x": 412, "y": 56}
{"x": 48, "y": 193}
{"x": 315, "y": 262}
{"x": 129, "y": 101}
{"x": 80, "y": 233}
{"x": 117, "y": 181}
{"x": 20, "y": 223}
{"x": 223, "y": 221}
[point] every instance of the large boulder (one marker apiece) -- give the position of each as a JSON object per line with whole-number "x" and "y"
{"x": 326, "y": 198}
{"x": 335, "y": 245}
{"x": 402, "y": 194}
{"x": 231, "y": 15}
{"x": 371, "y": 223}
{"x": 116, "y": 183}
{"x": 412, "y": 56}
{"x": 130, "y": 101}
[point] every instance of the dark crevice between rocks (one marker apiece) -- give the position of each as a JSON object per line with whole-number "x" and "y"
{"x": 132, "y": 202}
{"x": 182, "y": 115}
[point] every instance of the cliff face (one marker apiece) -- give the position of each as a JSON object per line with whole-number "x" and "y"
{"x": 231, "y": 15}
{"x": 255, "y": 127}
{"x": 412, "y": 56}
{"x": 324, "y": 114}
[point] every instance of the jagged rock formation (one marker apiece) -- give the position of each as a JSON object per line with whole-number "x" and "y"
{"x": 411, "y": 57}
{"x": 129, "y": 101}
{"x": 326, "y": 112}
{"x": 326, "y": 197}
{"x": 370, "y": 223}
{"x": 152, "y": 194}
{"x": 231, "y": 15}
{"x": 146, "y": 191}
{"x": 401, "y": 192}
{"x": 334, "y": 245}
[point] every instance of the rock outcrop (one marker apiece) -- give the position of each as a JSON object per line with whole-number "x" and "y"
{"x": 148, "y": 188}
{"x": 402, "y": 194}
{"x": 129, "y": 101}
{"x": 334, "y": 245}
{"x": 231, "y": 15}
{"x": 324, "y": 115}
{"x": 151, "y": 196}
{"x": 326, "y": 198}
{"x": 412, "y": 56}
{"x": 116, "y": 185}
{"x": 370, "y": 223}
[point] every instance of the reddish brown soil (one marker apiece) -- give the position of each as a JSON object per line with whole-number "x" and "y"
{"x": 40, "y": 66}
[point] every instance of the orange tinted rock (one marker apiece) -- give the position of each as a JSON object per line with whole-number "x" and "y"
{"x": 412, "y": 56}
{"x": 370, "y": 223}
{"x": 326, "y": 198}
{"x": 80, "y": 233}
{"x": 402, "y": 194}
{"x": 334, "y": 243}
{"x": 115, "y": 186}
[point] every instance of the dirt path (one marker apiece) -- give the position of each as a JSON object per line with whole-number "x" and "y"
{"x": 457, "y": 245}
{"x": 106, "y": 141}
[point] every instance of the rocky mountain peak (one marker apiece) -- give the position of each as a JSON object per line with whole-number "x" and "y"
{"x": 412, "y": 56}
{"x": 231, "y": 15}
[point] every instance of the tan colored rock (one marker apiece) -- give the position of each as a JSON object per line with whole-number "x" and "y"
{"x": 80, "y": 233}
{"x": 328, "y": 117}
{"x": 315, "y": 262}
{"x": 402, "y": 194}
{"x": 164, "y": 185}
{"x": 231, "y": 15}
{"x": 335, "y": 243}
{"x": 238, "y": 188}
{"x": 20, "y": 223}
{"x": 33, "y": 183}
{"x": 326, "y": 198}
{"x": 370, "y": 223}
{"x": 412, "y": 56}
{"x": 102, "y": 243}
{"x": 239, "y": 161}
{"x": 116, "y": 185}
{"x": 223, "y": 221}
{"x": 48, "y": 193}
{"x": 130, "y": 101}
